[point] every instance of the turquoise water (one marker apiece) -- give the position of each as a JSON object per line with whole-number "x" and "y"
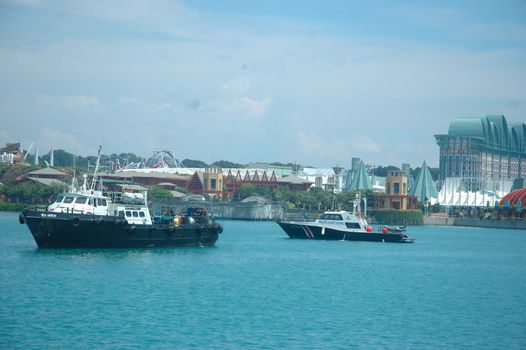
{"x": 257, "y": 289}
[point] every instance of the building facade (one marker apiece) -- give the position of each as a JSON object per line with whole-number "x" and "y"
{"x": 483, "y": 150}
{"x": 396, "y": 196}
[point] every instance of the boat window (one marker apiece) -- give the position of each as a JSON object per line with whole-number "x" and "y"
{"x": 104, "y": 202}
{"x": 81, "y": 200}
{"x": 352, "y": 225}
{"x": 128, "y": 213}
{"x": 69, "y": 199}
{"x": 135, "y": 214}
{"x": 121, "y": 213}
{"x": 331, "y": 217}
{"x": 141, "y": 214}
{"x": 59, "y": 199}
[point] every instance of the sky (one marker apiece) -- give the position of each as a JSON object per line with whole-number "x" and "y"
{"x": 311, "y": 82}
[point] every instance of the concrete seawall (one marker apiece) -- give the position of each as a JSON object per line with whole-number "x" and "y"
{"x": 493, "y": 223}
{"x": 475, "y": 222}
{"x": 224, "y": 210}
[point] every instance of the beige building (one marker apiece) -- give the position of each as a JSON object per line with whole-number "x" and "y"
{"x": 396, "y": 187}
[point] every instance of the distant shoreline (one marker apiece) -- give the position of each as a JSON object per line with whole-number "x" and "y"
{"x": 512, "y": 224}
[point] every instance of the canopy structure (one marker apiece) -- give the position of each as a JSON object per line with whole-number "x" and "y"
{"x": 453, "y": 193}
{"x": 361, "y": 180}
{"x": 424, "y": 188}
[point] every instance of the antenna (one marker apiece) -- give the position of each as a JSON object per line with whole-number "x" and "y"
{"x": 52, "y": 158}
{"x": 92, "y": 186}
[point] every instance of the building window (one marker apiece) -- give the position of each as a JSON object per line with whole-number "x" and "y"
{"x": 396, "y": 187}
{"x": 213, "y": 184}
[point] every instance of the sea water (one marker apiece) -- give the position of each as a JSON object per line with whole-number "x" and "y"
{"x": 257, "y": 289}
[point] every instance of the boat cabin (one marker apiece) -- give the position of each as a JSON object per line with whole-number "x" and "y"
{"x": 343, "y": 218}
{"x": 80, "y": 204}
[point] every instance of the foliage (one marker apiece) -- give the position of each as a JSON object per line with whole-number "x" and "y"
{"x": 8, "y": 206}
{"x": 10, "y": 173}
{"x": 30, "y": 192}
{"x": 226, "y": 164}
{"x": 397, "y": 217}
{"x": 191, "y": 163}
{"x": 433, "y": 171}
{"x": 382, "y": 171}
{"x": 245, "y": 191}
{"x": 159, "y": 193}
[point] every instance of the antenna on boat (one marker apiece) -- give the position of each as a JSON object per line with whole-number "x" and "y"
{"x": 93, "y": 180}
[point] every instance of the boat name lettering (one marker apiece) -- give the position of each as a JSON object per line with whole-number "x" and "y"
{"x": 48, "y": 215}
{"x": 333, "y": 222}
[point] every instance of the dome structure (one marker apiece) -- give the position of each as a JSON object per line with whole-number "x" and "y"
{"x": 514, "y": 197}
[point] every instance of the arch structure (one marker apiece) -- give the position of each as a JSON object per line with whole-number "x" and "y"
{"x": 484, "y": 149}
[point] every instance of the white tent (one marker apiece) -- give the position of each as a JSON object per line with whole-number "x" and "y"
{"x": 453, "y": 193}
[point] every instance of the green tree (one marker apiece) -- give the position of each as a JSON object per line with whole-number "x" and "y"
{"x": 191, "y": 163}
{"x": 226, "y": 164}
{"x": 159, "y": 193}
{"x": 245, "y": 191}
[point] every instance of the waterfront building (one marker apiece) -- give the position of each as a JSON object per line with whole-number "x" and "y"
{"x": 11, "y": 153}
{"x": 485, "y": 153}
{"x": 396, "y": 196}
{"x": 329, "y": 179}
{"x": 147, "y": 177}
{"x": 235, "y": 178}
{"x": 209, "y": 182}
{"x": 49, "y": 173}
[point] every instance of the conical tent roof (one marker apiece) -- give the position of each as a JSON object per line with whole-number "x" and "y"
{"x": 424, "y": 186}
{"x": 361, "y": 180}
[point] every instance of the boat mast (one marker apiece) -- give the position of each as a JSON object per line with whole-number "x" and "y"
{"x": 93, "y": 180}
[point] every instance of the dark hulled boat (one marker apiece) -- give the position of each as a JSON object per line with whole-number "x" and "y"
{"x": 73, "y": 230}
{"x": 88, "y": 218}
{"x": 344, "y": 225}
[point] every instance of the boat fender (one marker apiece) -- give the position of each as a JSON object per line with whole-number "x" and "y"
{"x": 385, "y": 230}
{"x": 219, "y": 229}
{"x": 75, "y": 221}
{"x": 369, "y": 229}
{"x": 21, "y": 218}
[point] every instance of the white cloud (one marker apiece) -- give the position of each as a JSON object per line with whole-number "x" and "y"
{"x": 57, "y": 139}
{"x": 144, "y": 105}
{"x": 254, "y": 107}
{"x": 364, "y": 144}
{"x": 236, "y": 86}
{"x": 69, "y": 102}
{"x": 332, "y": 148}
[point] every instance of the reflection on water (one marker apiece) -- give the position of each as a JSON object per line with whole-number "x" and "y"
{"x": 113, "y": 253}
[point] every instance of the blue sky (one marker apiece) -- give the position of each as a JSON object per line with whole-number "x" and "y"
{"x": 312, "y": 82}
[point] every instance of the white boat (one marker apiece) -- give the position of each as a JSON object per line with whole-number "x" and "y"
{"x": 344, "y": 225}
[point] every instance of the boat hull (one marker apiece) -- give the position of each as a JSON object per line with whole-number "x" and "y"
{"x": 306, "y": 231}
{"x": 62, "y": 230}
